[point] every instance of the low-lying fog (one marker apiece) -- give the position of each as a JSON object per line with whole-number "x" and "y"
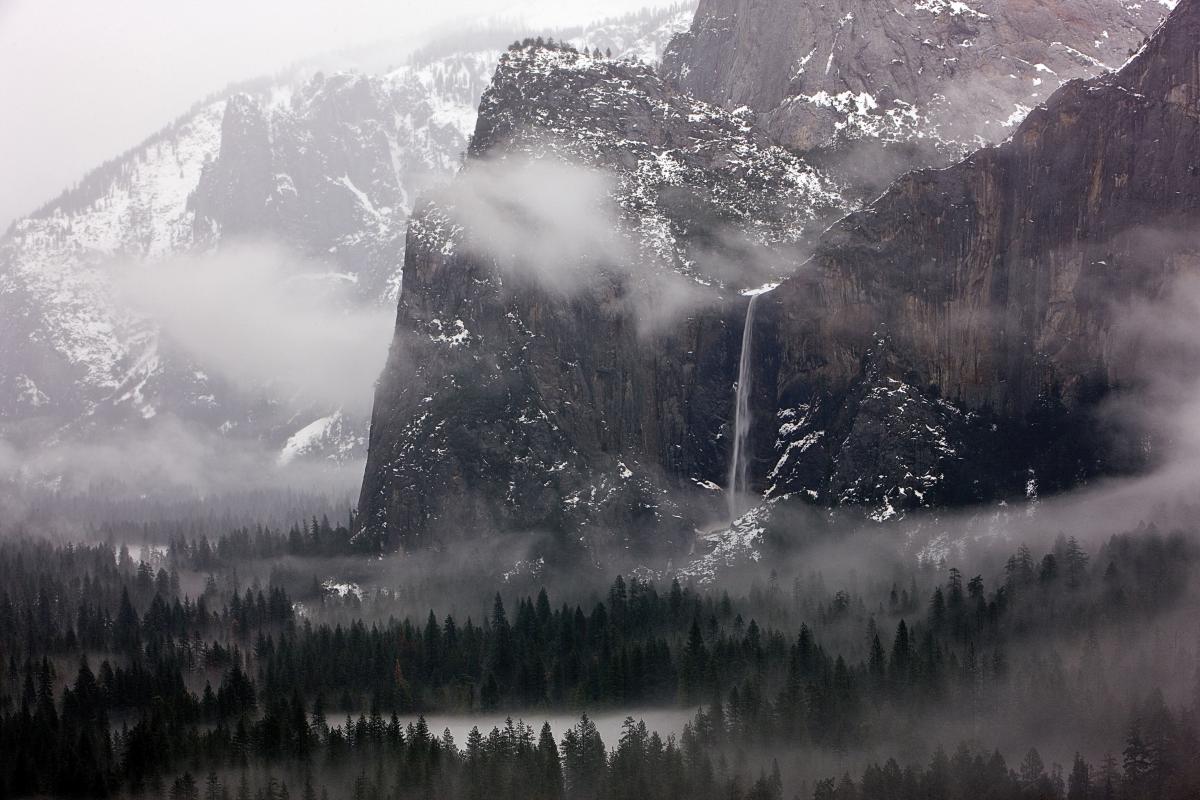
{"x": 666, "y": 722}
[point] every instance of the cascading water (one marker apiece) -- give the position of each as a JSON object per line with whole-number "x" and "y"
{"x": 739, "y": 463}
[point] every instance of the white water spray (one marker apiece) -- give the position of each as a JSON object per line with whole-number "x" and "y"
{"x": 739, "y": 463}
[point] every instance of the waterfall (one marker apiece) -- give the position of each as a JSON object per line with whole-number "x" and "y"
{"x": 739, "y": 463}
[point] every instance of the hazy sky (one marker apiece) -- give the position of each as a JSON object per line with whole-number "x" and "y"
{"x": 83, "y": 80}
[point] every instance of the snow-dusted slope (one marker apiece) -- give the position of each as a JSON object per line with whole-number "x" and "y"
{"x": 68, "y": 345}
{"x": 881, "y": 88}
{"x": 326, "y": 167}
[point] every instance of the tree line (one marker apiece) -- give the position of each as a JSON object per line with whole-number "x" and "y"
{"x": 116, "y": 680}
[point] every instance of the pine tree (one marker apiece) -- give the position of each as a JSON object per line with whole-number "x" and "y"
{"x": 125, "y": 632}
{"x": 1080, "y": 781}
{"x": 901, "y": 655}
{"x": 584, "y": 761}
{"x": 212, "y": 787}
{"x": 694, "y": 665}
{"x": 1075, "y": 559}
{"x": 1032, "y": 768}
{"x": 1109, "y": 778}
{"x": 550, "y": 765}
{"x": 1137, "y": 761}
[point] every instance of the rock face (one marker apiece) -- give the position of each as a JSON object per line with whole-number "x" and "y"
{"x": 998, "y": 286}
{"x": 328, "y": 166}
{"x": 943, "y": 345}
{"x": 511, "y": 403}
{"x": 877, "y": 88}
{"x": 234, "y": 187}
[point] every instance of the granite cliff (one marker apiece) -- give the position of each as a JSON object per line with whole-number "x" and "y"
{"x": 514, "y": 402}
{"x": 994, "y": 289}
{"x": 946, "y": 344}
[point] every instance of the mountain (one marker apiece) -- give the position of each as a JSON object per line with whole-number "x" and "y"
{"x": 966, "y": 327}
{"x": 548, "y": 396}
{"x": 875, "y": 89}
{"x": 935, "y": 349}
{"x": 323, "y": 167}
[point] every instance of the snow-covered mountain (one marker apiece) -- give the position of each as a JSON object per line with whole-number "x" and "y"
{"x": 318, "y": 171}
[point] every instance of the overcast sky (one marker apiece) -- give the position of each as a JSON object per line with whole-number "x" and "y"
{"x": 83, "y": 80}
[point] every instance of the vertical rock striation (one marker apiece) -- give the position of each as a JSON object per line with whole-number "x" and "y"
{"x": 997, "y": 285}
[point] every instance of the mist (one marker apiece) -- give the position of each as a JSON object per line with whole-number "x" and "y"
{"x": 166, "y": 471}
{"x": 559, "y": 226}
{"x": 261, "y": 316}
{"x": 546, "y": 221}
{"x": 261, "y": 321}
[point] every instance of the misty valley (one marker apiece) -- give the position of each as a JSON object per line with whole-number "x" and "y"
{"x": 227, "y": 665}
{"x": 633, "y": 400}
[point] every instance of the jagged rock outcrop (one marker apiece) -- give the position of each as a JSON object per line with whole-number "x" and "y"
{"x": 511, "y": 403}
{"x": 877, "y": 88}
{"x": 231, "y": 197}
{"x": 332, "y": 169}
{"x": 999, "y": 285}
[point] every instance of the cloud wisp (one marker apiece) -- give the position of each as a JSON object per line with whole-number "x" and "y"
{"x": 260, "y": 316}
